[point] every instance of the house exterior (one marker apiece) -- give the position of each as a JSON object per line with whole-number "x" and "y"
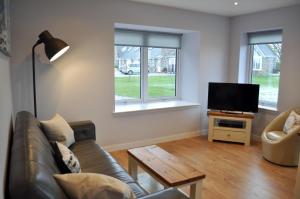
{"x": 160, "y": 60}
{"x": 265, "y": 61}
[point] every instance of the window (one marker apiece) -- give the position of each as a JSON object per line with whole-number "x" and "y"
{"x": 265, "y": 60}
{"x": 146, "y": 65}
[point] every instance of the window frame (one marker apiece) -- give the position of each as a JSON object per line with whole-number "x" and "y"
{"x": 144, "y": 98}
{"x": 250, "y": 72}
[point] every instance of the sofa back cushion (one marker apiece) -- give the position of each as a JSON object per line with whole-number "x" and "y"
{"x": 32, "y": 165}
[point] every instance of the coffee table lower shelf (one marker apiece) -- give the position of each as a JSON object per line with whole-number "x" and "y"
{"x": 167, "y": 169}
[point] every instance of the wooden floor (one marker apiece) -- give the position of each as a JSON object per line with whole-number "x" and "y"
{"x": 233, "y": 171}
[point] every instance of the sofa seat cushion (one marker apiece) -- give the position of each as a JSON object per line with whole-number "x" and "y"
{"x": 93, "y": 159}
{"x": 275, "y": 135}
{"x": 91, "y": 155}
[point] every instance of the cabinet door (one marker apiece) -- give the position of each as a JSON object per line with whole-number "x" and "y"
{"x": 234, "y": 136}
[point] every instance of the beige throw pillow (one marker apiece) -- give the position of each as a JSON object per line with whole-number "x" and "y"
{"x": 93, "y": 186}
{"x": 58, "y": 130}
{"x": 291, "y": 122}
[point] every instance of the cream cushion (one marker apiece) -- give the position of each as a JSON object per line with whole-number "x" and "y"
{"x": 290, "y": 123}
{"x": 58, "y": 130}
{"x": 293, "y": 129}
{"x": 93, "y": 186}
{"x": 275, "y": 135}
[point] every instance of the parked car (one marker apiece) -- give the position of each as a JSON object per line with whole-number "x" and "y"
{"x": 130, "y": 69}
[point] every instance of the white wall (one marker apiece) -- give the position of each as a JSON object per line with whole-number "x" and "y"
{"x": 80, "y": 85}
{"x": 5, "y": 116}
{"x": 194, "y": 78}
{"x": 288, "y": 20}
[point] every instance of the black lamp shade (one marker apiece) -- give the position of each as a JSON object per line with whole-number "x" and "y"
{"x": 54, "y": 47}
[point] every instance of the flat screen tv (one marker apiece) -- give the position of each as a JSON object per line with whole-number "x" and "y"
{"x": 233, "y": 97}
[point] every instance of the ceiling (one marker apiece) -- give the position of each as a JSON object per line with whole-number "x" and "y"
{"x": 223, "y": 7}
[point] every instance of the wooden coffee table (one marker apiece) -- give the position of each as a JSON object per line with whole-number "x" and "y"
{"x": 165, "y": 168}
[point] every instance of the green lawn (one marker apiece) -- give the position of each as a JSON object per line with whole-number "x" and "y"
{"x": 266, "y": 81}
{"x": 158, "y": 86}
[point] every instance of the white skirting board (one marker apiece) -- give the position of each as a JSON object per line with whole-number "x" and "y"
{"x": 116, "y": 147}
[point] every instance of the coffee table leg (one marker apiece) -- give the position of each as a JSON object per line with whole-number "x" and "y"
{"x": 196, "y": 190}
{"x": 133, "y": 168}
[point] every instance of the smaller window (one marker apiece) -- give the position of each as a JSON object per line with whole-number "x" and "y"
{"x": 265, "y": 61}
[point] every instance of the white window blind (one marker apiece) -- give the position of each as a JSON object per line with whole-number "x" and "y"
{"x": 265, "y": 37}
{"x": 124, "y": 37}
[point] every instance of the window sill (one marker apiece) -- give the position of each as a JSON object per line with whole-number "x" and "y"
{"x": 152, "y": 106}
{"x": 267, "y": 109}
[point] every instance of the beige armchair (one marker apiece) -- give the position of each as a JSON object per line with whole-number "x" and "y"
{"x": 279, "y": 147}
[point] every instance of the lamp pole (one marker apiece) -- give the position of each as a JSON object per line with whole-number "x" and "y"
{"x": 33, "y": 76}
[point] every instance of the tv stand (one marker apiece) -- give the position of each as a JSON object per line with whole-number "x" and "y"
{"x": 231, "y": 113}
{"x": 230, "y": 127}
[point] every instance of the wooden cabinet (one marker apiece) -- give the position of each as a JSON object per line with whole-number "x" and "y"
{"x": 230, "y": 127}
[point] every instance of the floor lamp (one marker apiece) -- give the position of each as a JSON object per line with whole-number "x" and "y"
{"x": 54, "y": 48}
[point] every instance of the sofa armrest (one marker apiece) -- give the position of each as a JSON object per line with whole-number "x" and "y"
{"x": 83, "y": 130}
{"x": 168, "y": 193}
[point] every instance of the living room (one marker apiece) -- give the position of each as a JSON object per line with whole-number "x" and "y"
{"x": 211, "y": 42}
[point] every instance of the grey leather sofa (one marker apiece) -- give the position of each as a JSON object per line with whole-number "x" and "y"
{"x": 32, "y": 164}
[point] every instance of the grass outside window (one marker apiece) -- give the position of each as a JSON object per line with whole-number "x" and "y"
{"x": 159, "y": 86}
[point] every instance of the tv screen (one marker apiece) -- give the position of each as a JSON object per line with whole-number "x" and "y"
{"x": 233, "y": 97}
